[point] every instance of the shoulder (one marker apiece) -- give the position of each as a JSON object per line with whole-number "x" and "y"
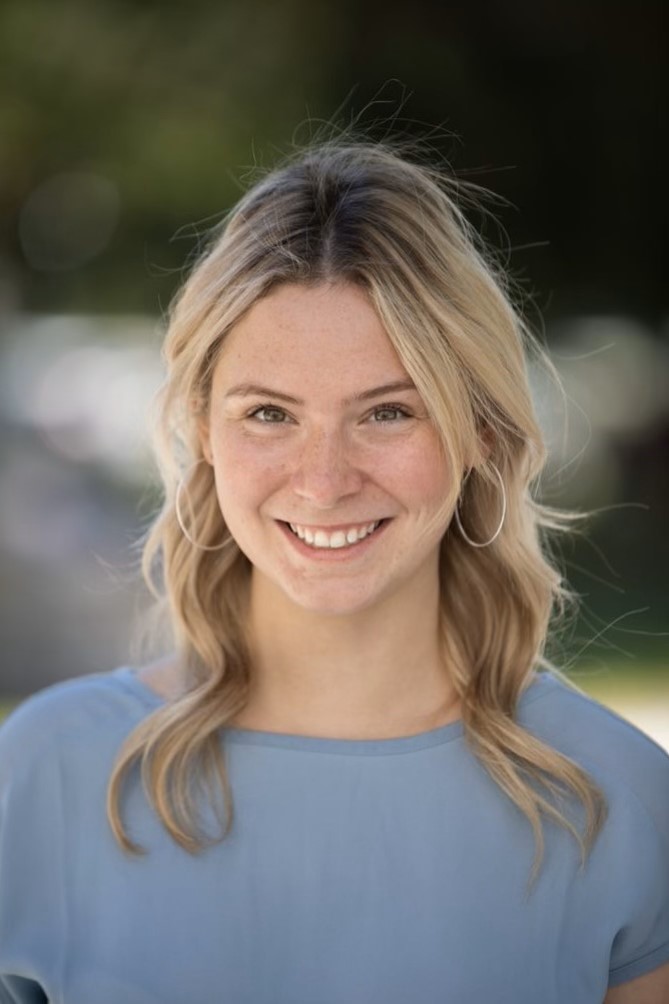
{"x": 579, "y": 721}
{"x": 90, "y": 708}
{"x": 622, "y": 758}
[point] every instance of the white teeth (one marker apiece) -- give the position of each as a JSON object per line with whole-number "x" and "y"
{"x": 339, "y": 538}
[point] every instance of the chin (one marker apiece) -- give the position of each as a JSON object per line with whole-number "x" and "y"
{"x": 329, "y": 603}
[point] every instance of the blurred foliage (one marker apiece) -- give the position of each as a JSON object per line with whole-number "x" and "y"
{"x": 164, "y": 99}
{"x": 559, "y": 107}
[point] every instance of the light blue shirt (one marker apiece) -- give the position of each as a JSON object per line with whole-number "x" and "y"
{"x": 357, "y": 871}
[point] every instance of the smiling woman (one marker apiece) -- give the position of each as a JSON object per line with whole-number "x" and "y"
{"x": 355, "y": 570}
{"x": 341, "y": 459}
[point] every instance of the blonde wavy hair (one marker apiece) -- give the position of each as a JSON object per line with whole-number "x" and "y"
{"x": 362, "y": 212}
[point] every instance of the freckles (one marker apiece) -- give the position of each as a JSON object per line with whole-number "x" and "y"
{"x": 423, "y": 452}
{"x": 424, "y": 480}
{"x": 426, "y": 474}
{"x": 249, "y": 469}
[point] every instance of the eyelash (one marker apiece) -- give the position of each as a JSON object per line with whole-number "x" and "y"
{"x": 381, "y": 407}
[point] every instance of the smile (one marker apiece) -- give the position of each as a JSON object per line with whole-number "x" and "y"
{"x": 338, "y": 538}
{"x": 336, "y": 545}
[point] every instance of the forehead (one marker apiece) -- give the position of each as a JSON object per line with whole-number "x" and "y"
{"x": 326, "y": 335}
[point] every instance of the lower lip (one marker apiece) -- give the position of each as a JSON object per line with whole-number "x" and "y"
{"x": 333, "y": 553}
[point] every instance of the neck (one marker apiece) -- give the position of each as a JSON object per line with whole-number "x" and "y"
{"x": 377, "y": 673}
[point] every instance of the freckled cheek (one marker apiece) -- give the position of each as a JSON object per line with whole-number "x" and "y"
{"x": 248, "y": 473}
{"x": 244, "y": 477}
{"x": 418, "y": 475}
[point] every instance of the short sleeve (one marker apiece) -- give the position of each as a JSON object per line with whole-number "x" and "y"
{"x": 32, "y": 904}
{"x": 642, "y": 941}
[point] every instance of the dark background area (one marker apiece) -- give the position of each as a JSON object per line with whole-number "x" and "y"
{"x": 127, "y": 128}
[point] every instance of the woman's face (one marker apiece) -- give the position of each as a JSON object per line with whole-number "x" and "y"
{"x": 315, "y": 422}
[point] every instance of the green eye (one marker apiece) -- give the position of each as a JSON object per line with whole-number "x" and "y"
{"x": 384, "y": 414}
{"x": 392, "y": 408}
{"x": 271, "y": 410}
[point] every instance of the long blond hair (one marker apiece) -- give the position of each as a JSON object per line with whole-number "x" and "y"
{"x": 362, "y": 212}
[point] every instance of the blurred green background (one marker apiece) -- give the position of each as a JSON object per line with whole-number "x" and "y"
{"x": 128, "y": 128}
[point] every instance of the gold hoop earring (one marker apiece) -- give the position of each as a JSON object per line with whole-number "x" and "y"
{"x": 180, "y": 519}
{"x": 497, "y": 532}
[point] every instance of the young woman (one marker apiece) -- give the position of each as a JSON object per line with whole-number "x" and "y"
{"x": 356, "y": 779}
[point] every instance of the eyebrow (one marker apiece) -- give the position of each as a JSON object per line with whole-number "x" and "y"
{"x": 254, "y": 389}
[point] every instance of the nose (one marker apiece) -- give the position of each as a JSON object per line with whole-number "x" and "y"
{"x": 325, "y": 470}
